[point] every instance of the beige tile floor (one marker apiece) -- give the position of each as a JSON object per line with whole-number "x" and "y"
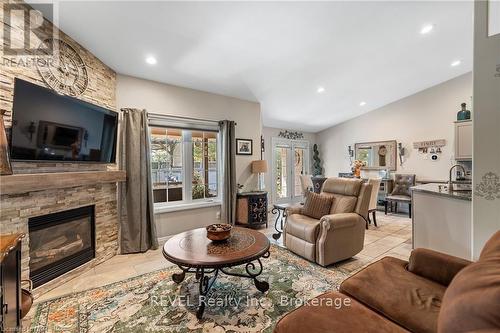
{"x": 391, "y": 237}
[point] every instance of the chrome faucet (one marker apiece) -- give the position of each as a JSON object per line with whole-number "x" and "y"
{"x": 450, "y": 183}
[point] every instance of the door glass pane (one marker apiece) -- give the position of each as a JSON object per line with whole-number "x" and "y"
{"x": 166, "y": 164}
{"x": 281, "y": 172}
{"x": 299, "y": 168}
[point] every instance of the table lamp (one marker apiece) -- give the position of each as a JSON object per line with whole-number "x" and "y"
{"x": 259, "y": 167}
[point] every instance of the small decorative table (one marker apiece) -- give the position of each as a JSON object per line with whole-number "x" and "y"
{"x": 280, "y": 211}
{"x": 251, "y": 209}
{"x": 194, "y": 253}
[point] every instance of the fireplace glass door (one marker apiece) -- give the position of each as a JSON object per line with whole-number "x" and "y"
{"x": 60, "y": 242}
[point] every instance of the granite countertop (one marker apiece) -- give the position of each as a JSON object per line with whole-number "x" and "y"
{"x": 434, "y": 189}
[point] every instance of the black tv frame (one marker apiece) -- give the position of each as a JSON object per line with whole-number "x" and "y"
{"x": 51, "y": 91}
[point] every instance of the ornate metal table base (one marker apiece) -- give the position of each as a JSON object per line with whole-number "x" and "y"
{"x": 280, "y": 212}
{"x": 207, "y": 276}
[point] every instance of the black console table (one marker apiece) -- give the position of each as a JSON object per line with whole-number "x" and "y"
{"x": 251, "y": 209}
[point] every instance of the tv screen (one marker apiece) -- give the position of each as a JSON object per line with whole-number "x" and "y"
{"x": 49, "y": 126}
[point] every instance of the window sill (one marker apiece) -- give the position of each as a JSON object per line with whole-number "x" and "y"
{"x": 159, "y": 209}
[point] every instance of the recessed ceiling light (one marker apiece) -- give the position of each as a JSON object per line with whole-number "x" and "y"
{"x": 362, "y": 104}
{"x": 320, "y": 90}
{"x": 151, "y": 60}
{"x": 426, "y": 29}
{"x": 456, "y": 63}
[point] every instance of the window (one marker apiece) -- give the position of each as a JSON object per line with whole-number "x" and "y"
{"x": 205, "y": 166}
{"x": 185, "y": 165}
{"x": 166, "y": 164}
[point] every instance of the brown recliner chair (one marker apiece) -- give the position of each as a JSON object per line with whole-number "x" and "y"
{"x": 336, "y": 236}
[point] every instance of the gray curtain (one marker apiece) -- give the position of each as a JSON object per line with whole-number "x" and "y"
{"x": 138, "y": 231}
{"x": 228, "y": 212}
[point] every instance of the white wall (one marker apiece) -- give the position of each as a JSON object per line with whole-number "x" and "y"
{"x": 486, "y": 208}
{"x": 268, "y": 133}
{"x": 426, "y": 115}
{"x": 177, "y": 101}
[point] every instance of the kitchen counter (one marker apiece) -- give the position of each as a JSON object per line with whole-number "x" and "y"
{"x": 435, "y": 189}
{"x": 442, "y": 220}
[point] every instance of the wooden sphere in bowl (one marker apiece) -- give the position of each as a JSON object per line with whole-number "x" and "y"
{"x": 219, "y": 232}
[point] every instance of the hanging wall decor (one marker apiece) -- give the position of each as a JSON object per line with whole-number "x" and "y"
{"x": 244, "y": 147}
{"x": 64, "y": 70}
{"x": 291, "y": 135}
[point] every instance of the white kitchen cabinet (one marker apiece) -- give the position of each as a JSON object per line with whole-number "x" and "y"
{"x": 463, "y": 140}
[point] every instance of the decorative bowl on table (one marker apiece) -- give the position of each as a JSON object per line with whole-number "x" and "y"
{"x": 219, "y": 232}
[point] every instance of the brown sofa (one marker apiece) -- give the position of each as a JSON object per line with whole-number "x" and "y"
{"x": 336, "y": 236}
{"x": 433, "y": 292}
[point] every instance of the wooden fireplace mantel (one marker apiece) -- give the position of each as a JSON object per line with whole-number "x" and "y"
{"x": 23, "y": 183}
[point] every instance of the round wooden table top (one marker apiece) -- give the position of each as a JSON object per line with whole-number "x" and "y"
{"x": 193, "y": 249}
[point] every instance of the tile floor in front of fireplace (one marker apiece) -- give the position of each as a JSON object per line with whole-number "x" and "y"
{"x": 391, "y": 237}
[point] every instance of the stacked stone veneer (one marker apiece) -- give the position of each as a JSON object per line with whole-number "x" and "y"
{"x": 101, "y": 88}
{"x": 15, "y": 210}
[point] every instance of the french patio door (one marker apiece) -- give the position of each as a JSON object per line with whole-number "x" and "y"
{"x": 290, "y": 161}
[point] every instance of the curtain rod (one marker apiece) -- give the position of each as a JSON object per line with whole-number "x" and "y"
{"x": 182, "y": 117}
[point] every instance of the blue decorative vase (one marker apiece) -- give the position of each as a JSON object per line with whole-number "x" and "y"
{"x": 463, "y": 114}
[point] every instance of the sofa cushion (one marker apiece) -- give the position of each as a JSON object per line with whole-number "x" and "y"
{"x": 406, "y": 298}
{"x": 343, "y": 204}
{"x": 334, "y": 312}
{"x": 303, "y": 227}
{"x": 472, "y": 301}
{"x": 316, "y": 205}
{"x": 436, "y": 266}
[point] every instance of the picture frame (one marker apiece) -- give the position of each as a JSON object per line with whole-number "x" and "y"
{"x": 244, "y": 147}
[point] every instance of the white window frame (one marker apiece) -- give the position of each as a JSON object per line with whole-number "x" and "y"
{"x": 187, "y": 126}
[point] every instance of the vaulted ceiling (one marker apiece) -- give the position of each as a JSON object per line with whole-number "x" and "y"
{"x": 309, "y": 64}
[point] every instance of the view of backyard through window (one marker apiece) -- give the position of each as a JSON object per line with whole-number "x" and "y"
{"x": 183, "y": 162}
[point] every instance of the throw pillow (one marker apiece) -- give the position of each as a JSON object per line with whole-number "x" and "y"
{"x": 317, "y": 205}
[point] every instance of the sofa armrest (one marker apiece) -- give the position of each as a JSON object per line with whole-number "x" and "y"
{"x": 338, "y": 221}
{"x": 298, "y": 209}
{"x": 436, "y": 266}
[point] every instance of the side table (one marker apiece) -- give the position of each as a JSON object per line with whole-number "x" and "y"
{"x": 251, "y": 209}
{"x": 280, "y": 211}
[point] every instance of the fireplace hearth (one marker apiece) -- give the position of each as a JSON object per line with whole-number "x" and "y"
{"x": 60, "y": 242}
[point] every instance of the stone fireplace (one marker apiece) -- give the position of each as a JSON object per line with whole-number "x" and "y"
{"x": 43, "y": 188}
{"x": 86, "y": 200}
{"x": 60, "y": 242}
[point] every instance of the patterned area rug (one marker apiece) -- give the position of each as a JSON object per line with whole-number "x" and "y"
{"x": 154, "y": 303}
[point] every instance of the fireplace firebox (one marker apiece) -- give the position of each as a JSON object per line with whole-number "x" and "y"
{"x": 60, "y": 242}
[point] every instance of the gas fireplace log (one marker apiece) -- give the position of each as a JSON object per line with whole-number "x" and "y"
{"x": 58, "y": 252}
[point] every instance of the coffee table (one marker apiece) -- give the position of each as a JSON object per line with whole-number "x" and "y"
{"x": 194, "y": 253}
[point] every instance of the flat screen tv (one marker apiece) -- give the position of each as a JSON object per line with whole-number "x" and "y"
{"x": 47, "y": 126}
